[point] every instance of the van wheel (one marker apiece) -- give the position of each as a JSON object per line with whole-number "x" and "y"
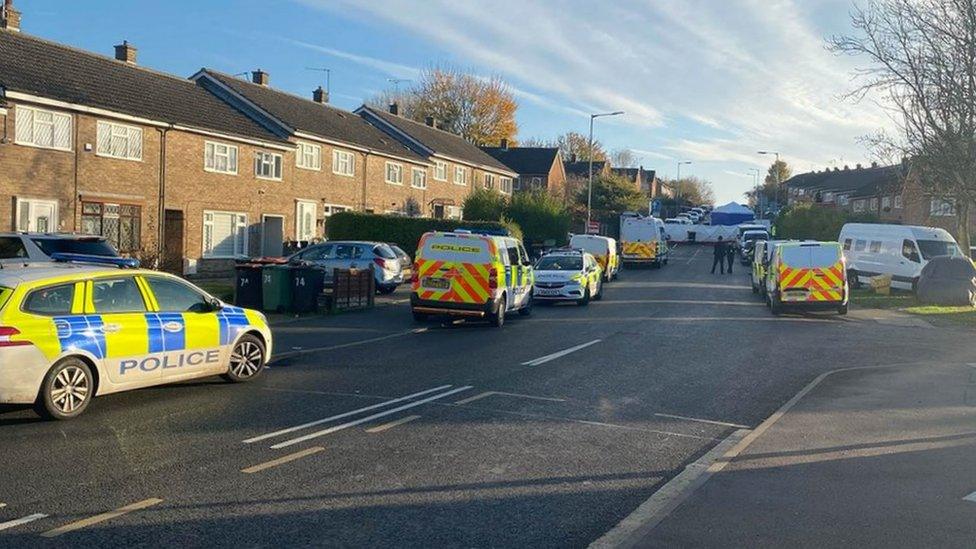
{"x": 497, "y": 320}
{"x": 842, "y": 310}
{"x": 755, "y": 289}
{"x": 585, "y": 300}
{"x": 66, "y": 391}
{"x": 852, "y": 280}
{"x": 775, "y": 306}
{"x": 246, "y": 360}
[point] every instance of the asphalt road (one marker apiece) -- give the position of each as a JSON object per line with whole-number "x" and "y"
{"x": 492, "y": 447}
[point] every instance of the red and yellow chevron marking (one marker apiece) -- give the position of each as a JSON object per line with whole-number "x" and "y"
{"x": 643, "y": 250}
{"x": 468, "y": 281}
{"x": 820, "y": 284}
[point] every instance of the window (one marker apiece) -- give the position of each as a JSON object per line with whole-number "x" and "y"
{"x": 844, "y": 200}
{"x": 120, "y": 224}
{"x": 177, "y": 297}
{"x": 419, "y": 178}
{"x": 329, "y": 209}
{"x": 942, "y": 208}
{"x": 220, "y": 158}
{"x": 874, "y": 204}
{"x": 505, "y": 185}
{"x": 224, "y": 234}
{"x": 460, "y": 175}
{"x": 858, "y": 206}
{"x": 343, "y": 163}
{"x": 55, "y": 300}
{"x": 885, "y": 202}
{"x": 828, "y": 197}
{"x": 12, "y": 247}
{"x": 454, "y": 212}
{"x": 117, "y": 295}
{"x": 348, "y": 251}
{"x": 847, "y": 245}
{"x": 518, "y": 184}
{"x": 489, "y": 181}
{"x": 394, "y": 173}
{"x": 875, "y": 247}
{"x": 536, "y": 182}
{"x": 317, "y": 253}
{"x": 897, "y": 201}
{"x": 440, "y": 170}
{"x": 308, "y": 156}
{"x": 859, "y": 245}
{"x": 40, "y": 128}
{"x": 305, "y": 220}
{"x": 119, "y": 141}
{"x": 267, "y": 165}
{"x": 909, "y": 251}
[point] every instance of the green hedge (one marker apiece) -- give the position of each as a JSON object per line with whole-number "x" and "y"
{"x": 405, "y": 232}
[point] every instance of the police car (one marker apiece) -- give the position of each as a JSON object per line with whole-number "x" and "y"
{"x": 70, "y": 332}
{"x": 568, "y": 275}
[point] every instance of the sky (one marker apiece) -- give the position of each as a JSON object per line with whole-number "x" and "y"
{"x": 706, "y": 81}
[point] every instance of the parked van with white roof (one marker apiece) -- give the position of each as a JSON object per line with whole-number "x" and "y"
{"x": 873, "y": 249}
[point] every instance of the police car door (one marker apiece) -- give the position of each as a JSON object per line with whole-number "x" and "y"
{"x": 526, "y": 277}
{"x": 115, "y": 313}
{"x": 185, "y": 329}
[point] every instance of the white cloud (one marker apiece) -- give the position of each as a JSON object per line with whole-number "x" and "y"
{"x": 388, "y": 68}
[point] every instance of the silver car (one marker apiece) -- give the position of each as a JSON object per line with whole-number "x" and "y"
{"x": 20, "y": 247}
{"x": 355, "y": 255}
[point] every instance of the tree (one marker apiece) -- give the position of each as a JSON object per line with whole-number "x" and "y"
{"x": 570, "y": 145}
{"x": 806, "y": 221}
{"x": 772, "y": 190}
{"x": 482, "y": 110}
{"x": 485, "y": 205}
{"x": 623, "y": 158}
{"x": 693, "y": 190}
{"x": 541, "y": 216}
{"x": 921, "y": 58}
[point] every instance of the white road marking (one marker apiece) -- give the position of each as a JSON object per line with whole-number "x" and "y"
{"x": 693, "y": 256}
{"x": 360, "y": 421}
{"x": 972, "y": 365}
{"x": 554, "y": 356}
{"x": 517, "y": 395}
{"x": 346, "y": 345}
{"x": 392, "y": 424}
{"x": 282, "y": 460}
{"x": 71, "y": 527}
{"x": 709, "y": 421}
{"x": 970, "y": 497}
{"x": 676, "y": 302}
{"x": 23, "y": 520}
{"x": 340, "y": 416}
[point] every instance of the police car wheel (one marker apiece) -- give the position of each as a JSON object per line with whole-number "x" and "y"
{"x": 498, "y": 318}
{"x": 585, "y": 300}
{"x": 67, "y": 390}
{"x": 246, "y": 360}
{"x": 599, "y": 292}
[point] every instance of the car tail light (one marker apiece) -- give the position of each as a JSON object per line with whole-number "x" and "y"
{"x": 493, "y": 280}
{"x": 6, "y": 333}
{"x": 385, "y": 264}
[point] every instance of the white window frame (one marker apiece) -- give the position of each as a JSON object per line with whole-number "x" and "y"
{"x": 885, "y": 202}
{"x": 896, "y": 203}
{"x": 31, "y": 203}
{"x": 440, "y": 170}
{"x": 263, "y": 159}
{"x": 463, "y": 173}
{"x": 422, "y": 172}
{"x": 21, "y": 112}
{"x": 488, "y": 180}
{"x": 348, "y": 159}
{"x": 239, "y": 228}
{"x": 536, "y": 182}
{"x": 873, "y": 204}
{"x": 114, "y": 130}
{"x": 393, "y": 173}
{"x": 858, "y": 205}
{"x": 211, "y": 148}
{"x": 308, "y": 156}
{"x": 505, "y": 185}
{"x": 299, "y": 205}
{"x": 939, "y": 207}
{"x": 329, "y": 209}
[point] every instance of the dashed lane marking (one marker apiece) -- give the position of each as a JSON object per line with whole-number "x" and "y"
{"x": 392, "y": 424}
{"x": 517, "y": 395}
{"x": 343, "y": 415}
{"x": 708, "y": 421}
{"x": 282, "y": 460}
{"x": 21, "y": 521}
{"x": 970, "y": 497}
{"x": 559, "y": 354}
{"x": 90, "y": 521}
{"x": 367, "y": 419}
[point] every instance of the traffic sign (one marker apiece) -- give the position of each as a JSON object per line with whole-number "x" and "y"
{"x": 593, "y": 227}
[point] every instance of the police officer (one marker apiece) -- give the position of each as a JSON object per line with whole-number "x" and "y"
{"x": 718, "y": 255}
{"x": 730, "y": 253}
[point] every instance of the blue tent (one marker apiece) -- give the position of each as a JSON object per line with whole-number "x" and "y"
{"x": 732, "y": 213}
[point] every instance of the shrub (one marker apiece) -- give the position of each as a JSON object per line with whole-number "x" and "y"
{"x": 541, "y": 216}
{"x": 807, "y": 222}
{"x": 405, "y": 232}
{"x": 485, "y": 204}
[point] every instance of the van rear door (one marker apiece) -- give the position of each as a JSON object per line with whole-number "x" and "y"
{"x": 811, "y": 272}
{"x": 455, "y": 268}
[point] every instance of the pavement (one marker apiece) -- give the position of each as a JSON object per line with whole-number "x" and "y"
{"x": 371, "y": 430}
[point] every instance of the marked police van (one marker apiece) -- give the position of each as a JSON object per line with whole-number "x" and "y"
{"x": 472, "y": 275}
{"x": 604, "y": 250}
{"x": 71, "y": 332}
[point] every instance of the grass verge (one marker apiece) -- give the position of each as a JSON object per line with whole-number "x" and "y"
{"x": 905, "y": 302}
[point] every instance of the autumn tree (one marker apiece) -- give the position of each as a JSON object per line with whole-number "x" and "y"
{"x": 692, "y": 190}
{"x": 482, "y": 110}
{"x": 920, "y": 56}
{"x": 571, "y": 145}
{"x": 623, "y": 158}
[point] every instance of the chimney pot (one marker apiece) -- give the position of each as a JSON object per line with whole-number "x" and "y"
{"x": 572, "y": 157}
{"x": 260, "y": 77}
{"x": 846, "y": 167}
{"x": 126, "y": 52}
{"x": 320, "y": 96}
{"x": 859, "y": 166}
{"x": 394, "y": 109}
{"x": 9, "y": 17}
{"x": 874, "y": 164}
{"x": 429, "y": 121}
{"x": 504, "y": 144}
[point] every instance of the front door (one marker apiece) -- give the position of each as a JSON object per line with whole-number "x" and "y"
{"x": 37, "y": 215}
{"x": 305, "y": 219}
{"x": 272, "y": 235}
{"x": 173, "y": 227}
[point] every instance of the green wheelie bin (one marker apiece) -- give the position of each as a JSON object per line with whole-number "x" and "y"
{"x": 276, "y": 288}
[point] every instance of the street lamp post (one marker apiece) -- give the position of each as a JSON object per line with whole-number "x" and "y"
{"x": 754, "y": 172}
{"x": 677, "y": 183}
{"x": 589, "y": 190}
{"x": 775, "y": 174}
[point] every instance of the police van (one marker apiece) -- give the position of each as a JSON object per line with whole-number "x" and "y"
{"x": 472, "y": 275}
{"x": 643, "y": 240}
{"x": 808, "y": 276}
{"x": 604, "y": 250}
{"x": 71, "y": 332}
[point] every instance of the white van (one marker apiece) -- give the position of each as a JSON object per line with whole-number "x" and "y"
{"x": 901, "y": 251}
{"x": 603, "y": 248}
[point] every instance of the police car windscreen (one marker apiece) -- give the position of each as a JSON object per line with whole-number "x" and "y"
{"x": 808, "y": 257}
{"x": 560, "y": 263}
{"x": 464, "y": 250}
{"x": 935, "y": 248}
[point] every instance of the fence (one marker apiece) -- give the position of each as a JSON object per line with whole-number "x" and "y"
{"x": 352, "y": 289}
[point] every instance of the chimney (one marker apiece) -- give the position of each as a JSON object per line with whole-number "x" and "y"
{"x": 320, "y": 96}
{"x": 126, "y": 52}
{"x": 9, "y": 17}
{"x": 572, "y": 157}
{"x": 260, "y": 77}
{"x": 874, "y": 164}
{"x": 846, "y": 167}
{"x": 394, "y": 109}
{"x": 429, "y": 121}
{"x": 504, "y": 144}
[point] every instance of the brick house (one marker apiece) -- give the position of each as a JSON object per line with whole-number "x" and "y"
{"x": 100, "y": 145}
{"x": 341, "y": 161}
{"x": 537, "y": 167}
{"x": 457, "y": 166}
{"x": 644, "y": 180}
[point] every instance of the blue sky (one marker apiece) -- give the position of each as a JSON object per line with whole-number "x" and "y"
{"x": 710, "y": 81}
